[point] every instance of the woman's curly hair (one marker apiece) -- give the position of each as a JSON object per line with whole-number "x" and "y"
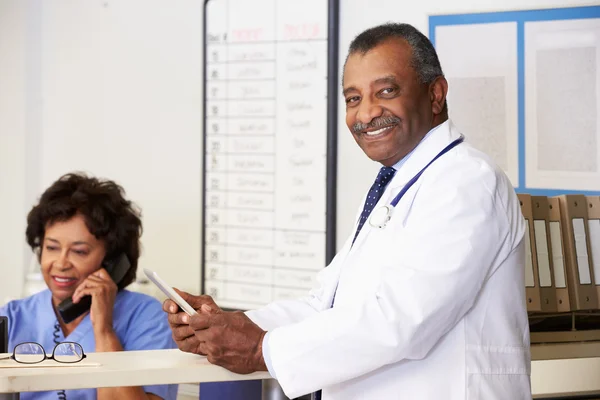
{"x": 108, "y": 216}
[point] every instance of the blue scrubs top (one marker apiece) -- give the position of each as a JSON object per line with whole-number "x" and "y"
{"x": 138, "y": 321}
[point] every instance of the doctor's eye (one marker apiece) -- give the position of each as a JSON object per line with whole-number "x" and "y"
{"x": 388, "y": 91}
{"x": 352, "y": 100}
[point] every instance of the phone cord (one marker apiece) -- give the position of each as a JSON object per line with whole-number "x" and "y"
{"x": 61, "y": 393}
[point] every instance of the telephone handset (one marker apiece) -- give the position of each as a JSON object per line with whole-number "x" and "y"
{"x": 116, "y": 268}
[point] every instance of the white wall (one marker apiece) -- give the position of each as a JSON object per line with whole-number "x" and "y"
{"x": 12, "y": 145}
{"x": 120, "y": 84}
{"x": 115, "y": 88}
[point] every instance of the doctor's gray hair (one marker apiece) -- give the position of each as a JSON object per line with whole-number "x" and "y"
{"x": 424, "y": 57}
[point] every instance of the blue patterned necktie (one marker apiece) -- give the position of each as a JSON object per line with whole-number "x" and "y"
{"x": 383, "y": 178}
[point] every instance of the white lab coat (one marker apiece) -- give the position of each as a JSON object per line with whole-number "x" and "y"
{"x": 432, "y": 307}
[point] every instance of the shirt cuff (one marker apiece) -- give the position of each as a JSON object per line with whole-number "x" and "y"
{"x": 267, "y": 355}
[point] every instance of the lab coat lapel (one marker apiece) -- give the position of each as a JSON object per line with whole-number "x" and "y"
{"x": 423, "y": 154}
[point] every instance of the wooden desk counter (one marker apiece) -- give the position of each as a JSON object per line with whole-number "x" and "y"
{"x": 124, "y": 368}
{"x": 549, "y": 378}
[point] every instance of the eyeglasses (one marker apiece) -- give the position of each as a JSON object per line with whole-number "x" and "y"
{"x": 33, "y": 353}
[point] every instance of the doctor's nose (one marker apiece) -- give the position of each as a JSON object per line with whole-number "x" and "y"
{"x": 368, "y": 111}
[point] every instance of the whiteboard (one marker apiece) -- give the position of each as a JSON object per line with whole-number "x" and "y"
{"x": 269, "y": 148}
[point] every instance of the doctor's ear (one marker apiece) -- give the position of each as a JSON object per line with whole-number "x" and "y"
{"x": 438, "y": 89}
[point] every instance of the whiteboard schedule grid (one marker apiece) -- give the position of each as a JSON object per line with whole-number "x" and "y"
{"x": 269, "y": 171}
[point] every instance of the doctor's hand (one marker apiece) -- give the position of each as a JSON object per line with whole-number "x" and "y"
{"x": 229, "y": 339}
{"x": 179, "y": 321}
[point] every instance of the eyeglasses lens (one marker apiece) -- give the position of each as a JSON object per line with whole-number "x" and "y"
{"x": 68, "y": 352}
{"x": 29, "y": 353}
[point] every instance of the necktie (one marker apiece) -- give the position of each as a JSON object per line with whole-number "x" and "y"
{"x": 383, "y": 178}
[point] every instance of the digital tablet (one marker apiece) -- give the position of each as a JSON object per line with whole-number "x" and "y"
{"x": 169, "y": 292}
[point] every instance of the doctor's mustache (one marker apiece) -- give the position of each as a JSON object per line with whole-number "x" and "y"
{"x": 377, "y": 123}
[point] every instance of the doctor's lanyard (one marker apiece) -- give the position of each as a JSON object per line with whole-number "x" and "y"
{"x": 380, "y": 217}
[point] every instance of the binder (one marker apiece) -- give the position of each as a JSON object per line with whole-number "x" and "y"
{"x": 541, "y": 230}
{"x": 532, "y": 286}
{"x": 593, "y": 203}
{"x": 558, "y": 258}
{"x": 580, "y": 276}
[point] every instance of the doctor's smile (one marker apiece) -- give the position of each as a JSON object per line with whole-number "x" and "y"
{"x": 376, "y": 129}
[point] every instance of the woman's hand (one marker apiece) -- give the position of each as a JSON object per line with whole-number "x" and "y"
{"x": 103, "y": 290}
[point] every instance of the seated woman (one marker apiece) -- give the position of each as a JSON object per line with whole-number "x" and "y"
{"x": 81, "y": 227}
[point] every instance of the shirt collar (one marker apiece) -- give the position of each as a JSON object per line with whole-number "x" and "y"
{"x": 399, "y": 164}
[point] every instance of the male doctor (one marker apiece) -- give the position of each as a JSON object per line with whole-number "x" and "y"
{"x": 425, "y": 301}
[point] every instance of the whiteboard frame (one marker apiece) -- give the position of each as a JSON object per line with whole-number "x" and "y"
{"x": 333, "y": 7}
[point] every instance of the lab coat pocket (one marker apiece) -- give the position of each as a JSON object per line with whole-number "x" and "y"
{"x": 380, "y": 253}
{"x": 389, "y": 242}
{"x": 388, "y": 245}
{"x": 390, "y": 267}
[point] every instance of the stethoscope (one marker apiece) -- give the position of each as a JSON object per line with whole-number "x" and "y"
{"x": 381, "y": 215}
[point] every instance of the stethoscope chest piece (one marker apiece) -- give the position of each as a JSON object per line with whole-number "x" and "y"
{"x": 380, "y": 216}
